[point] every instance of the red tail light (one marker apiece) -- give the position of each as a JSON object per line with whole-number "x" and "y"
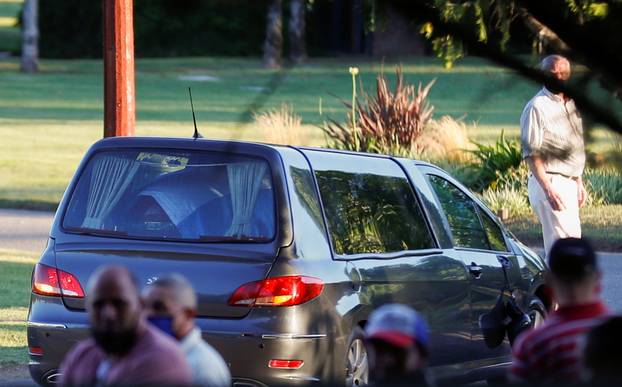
{"x": 285, "y": 364}
{"x": 35, "y": 351}
{"x": 50, "y": 281}
{"x": 278, "y": 291}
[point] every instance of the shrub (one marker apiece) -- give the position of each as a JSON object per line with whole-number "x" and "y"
{"x": 281, "y": 126}
{"x": 495, "y": 163}
{"x": 604, "y": 186}
{"x": 385, "y": 122}
{"x": 445, "y": 140}
{"x": 514, "y": 200}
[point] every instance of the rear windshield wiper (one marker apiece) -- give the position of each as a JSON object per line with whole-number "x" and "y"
{"x": 96, "y": 231}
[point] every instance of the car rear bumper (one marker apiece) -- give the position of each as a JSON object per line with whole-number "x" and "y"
{"x": 246, "y": 349}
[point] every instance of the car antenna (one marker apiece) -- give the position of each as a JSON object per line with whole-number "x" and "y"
{"x": 194, "y": 119}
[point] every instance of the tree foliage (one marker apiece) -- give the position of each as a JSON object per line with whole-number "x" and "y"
{"x": 585, "y": 31}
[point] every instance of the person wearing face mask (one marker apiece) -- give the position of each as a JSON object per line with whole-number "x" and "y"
{"x": 553, "y": 147}
{"x": 171, "y": 305}
{"x": 124, "y": 349}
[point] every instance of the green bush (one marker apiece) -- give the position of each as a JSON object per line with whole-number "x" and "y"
{"x": 497, "y": 164}
{"x": 604, "y": 186}
{"x": 515, "y": 200}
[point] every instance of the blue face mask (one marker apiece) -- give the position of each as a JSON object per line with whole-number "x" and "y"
{"x": 163, "y": 323}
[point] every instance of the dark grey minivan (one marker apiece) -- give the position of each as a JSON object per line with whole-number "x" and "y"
{"x": 289, "y": 250}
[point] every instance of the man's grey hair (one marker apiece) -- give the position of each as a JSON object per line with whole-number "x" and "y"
{"x": 180, "y": 288}
{"x": 548, "y": 63}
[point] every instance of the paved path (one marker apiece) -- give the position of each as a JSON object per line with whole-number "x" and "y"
{"x": 24, "y": 230}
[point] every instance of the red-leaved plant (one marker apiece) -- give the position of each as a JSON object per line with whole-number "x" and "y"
{"x": 389, "y": 121}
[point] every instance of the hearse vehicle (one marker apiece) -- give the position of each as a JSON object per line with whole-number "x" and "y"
{"x": 289, "y": 250}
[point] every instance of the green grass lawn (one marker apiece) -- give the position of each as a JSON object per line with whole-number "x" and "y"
{"x": 48, "y": 120}
{"x": 600, "y": 224}
{"x": 15, "y": 270}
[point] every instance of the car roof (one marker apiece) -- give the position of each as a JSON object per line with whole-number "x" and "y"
{"x": 133, "y": 141}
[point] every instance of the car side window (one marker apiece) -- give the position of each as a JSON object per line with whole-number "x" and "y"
{"x": 470, "y": 227}
{"x": 370, "y": 206}
{"x": 493, "y": 232}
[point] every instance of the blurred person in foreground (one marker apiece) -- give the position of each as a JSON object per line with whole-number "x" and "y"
{"x": 603, "y": 357}
{"x": 553, "y": 353}
{"x": 397, "y": 346}
{"x": 124, "y": 348}
{"x": 553, "y": 148}
{"x": 171, "y": 305}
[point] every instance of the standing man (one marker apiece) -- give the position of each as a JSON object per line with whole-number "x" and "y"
{"x": 552, "y": 142}
{"x": 171, "y": 305}
{"x": 124, "y": 349}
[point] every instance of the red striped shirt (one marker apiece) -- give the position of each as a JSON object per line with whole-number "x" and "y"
{"x": 554, "y": 351}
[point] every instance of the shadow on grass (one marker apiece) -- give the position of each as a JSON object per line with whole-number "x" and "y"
{"x": 13, "y": 327}
{"x": 36, "y": 205}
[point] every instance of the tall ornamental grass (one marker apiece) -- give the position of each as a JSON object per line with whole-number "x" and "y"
{"x": 281, "y": 126}
{"x": 445, "y": 140}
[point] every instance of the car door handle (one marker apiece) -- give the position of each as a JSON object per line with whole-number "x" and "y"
{"x": 475, "y": 270}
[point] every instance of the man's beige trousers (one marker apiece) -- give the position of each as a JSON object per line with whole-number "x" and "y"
{"x": 556, "y": 224}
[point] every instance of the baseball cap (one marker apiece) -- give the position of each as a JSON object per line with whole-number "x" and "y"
{"x": 572, "y": 259}
{"x": 398, "y": 325}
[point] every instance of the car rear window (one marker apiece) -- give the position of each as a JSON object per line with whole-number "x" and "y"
{"x": 369, "y": 204}
{"x": 174, "y": 195}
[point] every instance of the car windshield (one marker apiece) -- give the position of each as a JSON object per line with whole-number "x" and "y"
{"x": 174, "y": 195}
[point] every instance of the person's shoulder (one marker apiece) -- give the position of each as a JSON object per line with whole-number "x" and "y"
{"x": 540, "y": 100}
{"x": 80, "y": 362}
{"x": 535, "y": 337}
{"x": 208, "y": 367}
{"x": 164, "y": 349}
{"x": 165, "y": 360}
{"x": 156, "y": 340}
{"x": 83, "y": 349}
{"x": 524, "y": 340}
{"x": 205, "y": 350}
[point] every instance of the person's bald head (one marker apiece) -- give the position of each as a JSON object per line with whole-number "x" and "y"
{"x": 557, "y": 66}
{"x": 118, "y": 275}
{"x": 173, "y": 297}
{"x": 113, "y": 304}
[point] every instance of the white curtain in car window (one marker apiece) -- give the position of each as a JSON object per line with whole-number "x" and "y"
{"x": 110, "y": 177}
{"x": 244, "y": 184}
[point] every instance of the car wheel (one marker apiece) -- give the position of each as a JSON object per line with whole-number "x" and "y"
{"x": 357, "y": 366}
{"x": 537, "y": 313}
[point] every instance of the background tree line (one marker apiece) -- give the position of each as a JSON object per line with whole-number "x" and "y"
{"x": 291, "y": 29}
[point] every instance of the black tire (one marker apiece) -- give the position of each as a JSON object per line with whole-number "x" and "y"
{"x": 537, "y": 313}
{"x": 357, "y": 364}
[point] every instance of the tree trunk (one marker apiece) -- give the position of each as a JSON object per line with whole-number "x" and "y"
{"x": 357, "y": 28}
{"x": 30, "y": 37}
{"x": 297, "y": 26}
{"x": 273, "y": 45}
